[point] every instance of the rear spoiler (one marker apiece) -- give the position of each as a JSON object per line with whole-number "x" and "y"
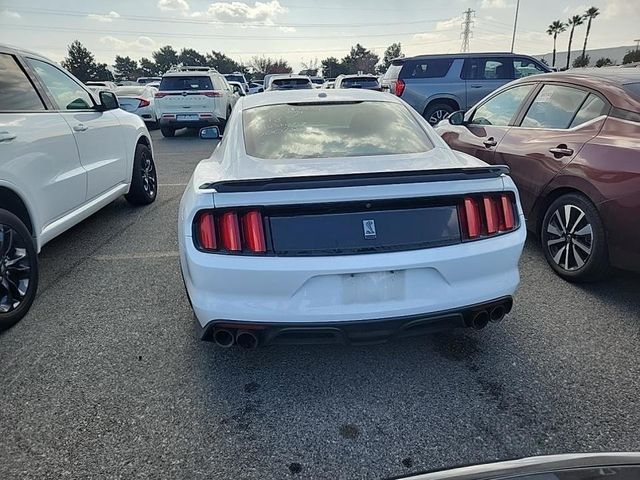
{"x": 356, "y": 179}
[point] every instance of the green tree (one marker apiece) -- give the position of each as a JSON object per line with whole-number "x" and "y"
{"x": 360, "y": 59}
{"x": 332, "y": 67}
{"x": 555, "y": 29}
{"x": 582, "y": 61}
{"x": 392, "y": 52}
{"x": 165, "y": 58}
{"x": 148, "y": 68}
{"x": 126, "y": 68}
{"x": 631, "y": 56}
{"x": 603, "y": 62}
{"x": 223, "y": 63}
{"x": 589, "y": 15}
{"x": 264, "y": 65}
{"x": 80, "y": 62}
{"x": 573, "y": 22}
{"x": 188, "y": 56}
{"x": 102, "y": 72}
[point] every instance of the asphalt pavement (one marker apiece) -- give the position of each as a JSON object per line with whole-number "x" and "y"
{"x": 105, "y": 378}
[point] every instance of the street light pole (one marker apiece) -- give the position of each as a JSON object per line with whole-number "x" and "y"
{"x": 515, "y": 24}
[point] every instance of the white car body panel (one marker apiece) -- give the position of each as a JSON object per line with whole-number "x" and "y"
{"x": 315, "y": 289}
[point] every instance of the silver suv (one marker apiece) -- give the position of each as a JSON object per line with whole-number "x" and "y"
{"x": 436, "y": 85}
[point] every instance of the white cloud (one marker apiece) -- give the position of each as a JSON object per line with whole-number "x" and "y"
{"x": 493, "y": 4}
{"x": 108, "y": 17}
{"x": 449, "y": 24}
{"x": 430, "y": 36}
{"x": 287, "y": 29}
{"x": 141, "y": 43}
{"x": 171, "y": 5}
{"x": 9, "y": 14}
{"x": 263, "y": 13}
{"x": 619, "y": 8}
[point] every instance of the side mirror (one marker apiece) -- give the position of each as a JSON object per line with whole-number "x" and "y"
{"x": 456, "y": 118}
{"x": 210, "y": 133}
{"x": 108, "y": 100}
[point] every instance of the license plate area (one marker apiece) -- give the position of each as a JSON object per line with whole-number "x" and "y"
{"x": 188, "y": 117}
{"x": 373, "y": 287}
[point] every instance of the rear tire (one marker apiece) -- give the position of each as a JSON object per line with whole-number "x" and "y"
{"x": 144, "y": 180}
{"x": 18, "y": 270}
{"x": 574, "y": 240}
{"x": 436, "y": 112}
{"x": 168, "y": 132}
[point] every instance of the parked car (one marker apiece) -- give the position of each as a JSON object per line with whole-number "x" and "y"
{"x": 139, "y": 100}
{"x": 154, "y": 85}
{"x": 106, "y": 85}
{"x": 329, "y": 84}
{"x": 240, "y": 78}
{"x": 288, "y": 82}
{"x": 63, "y": 156}
{"x": 145, "y": 80}
{"x": 571, "y": 141}
{"x": 343, "y": 217}
{"x": 256, "y": 87}
{"x": 317, "y": 81}
{"x": 370, "y": 82}
{"x": 193, "y": 97}
{"x": 238, "y": 90}
{"x": 436, "y": 85}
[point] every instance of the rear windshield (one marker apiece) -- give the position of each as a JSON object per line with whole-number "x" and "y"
{"x": 186, "y": 82}
{"x": 345, "y": 129}
{"x": 360, "y": 82}
{"x": 235, "y": 78}
{"x": 392, "y": 72}
{"x": 291, "y": 83}
{"x": 426, "y": 68}
{"x": 633, "y": 89}
{"x": 317, "y": 81}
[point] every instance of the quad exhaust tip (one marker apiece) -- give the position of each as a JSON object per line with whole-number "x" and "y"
{"x": 246, "y": 339}
{"x": 497, "y": 313}
{"x": 223, "y": 338}
{"x": 480, "y": 320}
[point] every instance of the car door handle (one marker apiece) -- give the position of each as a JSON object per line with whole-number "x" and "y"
{"x": 81, "y": 127}
{"x": 562, "y": 151}
{"x": 7, "y": 137}
{"x": 490, "y": 142}
{"x": 476, "y": 86}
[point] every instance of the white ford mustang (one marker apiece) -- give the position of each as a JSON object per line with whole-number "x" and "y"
{"x": 341, "y": 216}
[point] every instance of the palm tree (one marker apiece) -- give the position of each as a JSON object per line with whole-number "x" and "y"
{"x": 555, "y": 29}
{"x": 589, "y": 15}
{"x": 573, "y": 22}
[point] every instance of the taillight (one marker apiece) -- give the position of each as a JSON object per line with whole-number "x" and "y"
{"x": 230, "y": 231}
{"x": 143, "y": 103}
{"x": 213, "y": 93}
{"x": 486, "y": 215}
{"x": 399, "y": 88}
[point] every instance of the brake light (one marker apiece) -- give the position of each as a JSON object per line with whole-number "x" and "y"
{"x": 143, "y": 103}
{"x": 399, "y": 88}
{"x": 486, "y": 216}
{"x": 213, "y": 93}
{"x": 253, "y": 232}
{"x": 230, "y": 232}
{"x": 207, "y": 231}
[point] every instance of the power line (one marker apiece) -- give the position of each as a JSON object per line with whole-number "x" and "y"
{"x": 467, "y": 24}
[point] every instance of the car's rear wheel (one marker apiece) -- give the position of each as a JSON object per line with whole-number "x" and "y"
{"x": 168, "y": 132}
{"x": 144, "y": 180}
{"x": 436, "y": 112}
{"x": 18, "y": 270}
{"x": 574, "y": 240}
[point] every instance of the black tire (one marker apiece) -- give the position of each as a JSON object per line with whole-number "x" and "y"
{"x": 436, "y": 112}
{"x": 574, "y": 240}
{"x": 18, "y": 270}
{"x": 144, "y": 179}
{"x": 167, "y": 131}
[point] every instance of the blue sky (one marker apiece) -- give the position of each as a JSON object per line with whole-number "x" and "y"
{"x": 301, "y": 30}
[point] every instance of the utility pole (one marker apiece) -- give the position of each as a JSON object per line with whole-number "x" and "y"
{"x": 466, "y": 29}
{"x": 515, "y": 24}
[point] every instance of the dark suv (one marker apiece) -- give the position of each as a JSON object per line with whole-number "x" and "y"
{"x": 436, "y": 85}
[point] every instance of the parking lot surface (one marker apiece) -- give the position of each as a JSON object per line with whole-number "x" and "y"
{"x": 105, "y": 378}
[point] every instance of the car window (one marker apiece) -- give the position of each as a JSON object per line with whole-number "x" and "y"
{"x": 592, "y": 108}
{"x": 427, "y": 68}
{"x": 523, "y": 67}
{"x": 235, "y": 78}
{"x": 67, "y": 94}
{"x": 633, "y": 89}
{"x": 499, "y": 110}
{"x": 554, "y": 107}
{"x": 487, "y": 68}
{"x": 16, "y": 90}
{"x": 393, "y": 71}
{"x": 332, "y": 130}
{"x": 290, "y": 83}
{"x": 360, "y": 82}
{"x": 186, "y": 82}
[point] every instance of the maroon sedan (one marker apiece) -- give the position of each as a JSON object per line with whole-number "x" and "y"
{"x": 572, "y": 141}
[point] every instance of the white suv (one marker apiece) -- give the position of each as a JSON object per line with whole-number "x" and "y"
{"x": 193, "y": 97}
{"x": 63, "y": 156}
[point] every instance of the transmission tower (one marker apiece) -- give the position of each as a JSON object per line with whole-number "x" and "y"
{"x": 466, "y": 34}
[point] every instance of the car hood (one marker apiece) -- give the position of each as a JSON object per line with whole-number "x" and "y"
{"x": 221, "y": 167}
